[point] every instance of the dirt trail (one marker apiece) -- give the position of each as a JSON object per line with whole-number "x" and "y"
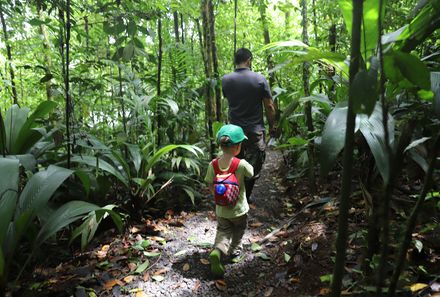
{"x": 168, "y": 257}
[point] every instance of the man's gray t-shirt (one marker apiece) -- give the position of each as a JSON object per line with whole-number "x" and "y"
{"x": 245, "y": 91}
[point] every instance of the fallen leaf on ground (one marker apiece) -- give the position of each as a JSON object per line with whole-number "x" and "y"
{"x": 204, "y": 261}
{"x": 256, "y": 247}
{"x": 111, "y": 283}
{"x": 262, "y": 256}
{"x": 132, "y": 266}
{"x": 101, "y": 254}
{"x": 324, "y": 291}
{"x": 295, "y": 280}
{"x": 256, "y": 225}
{"x": 186, "y": 267}
{"x": 141, "y": 294}
{"x": 220, "y": 284}
{"x": 180, "y": 253}
{"x": 158, "y": 278}
{"x": 142, "y": 267}
{"x": 197, "y": 286}
{"x": 161, "y": 271}
{"x": 417, "y": 287}
{"x": 134, "y": 229}
{"x": 146, "y": 277}
{"x": 268, "y": 292}
{"x": 139, "y": 237}
{"x": 128, "y": 279}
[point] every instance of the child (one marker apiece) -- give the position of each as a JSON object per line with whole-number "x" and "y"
{"x": 231, "y": 220}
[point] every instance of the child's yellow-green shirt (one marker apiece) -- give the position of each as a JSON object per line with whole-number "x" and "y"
{"x": 242, "y": 207}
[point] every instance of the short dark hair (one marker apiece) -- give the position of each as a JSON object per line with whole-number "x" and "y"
{"x": 242, "y": 55}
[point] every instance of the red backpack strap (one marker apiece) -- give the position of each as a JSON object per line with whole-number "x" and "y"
{"x": 234, "y": 165}
{"x": 216, "y": 167}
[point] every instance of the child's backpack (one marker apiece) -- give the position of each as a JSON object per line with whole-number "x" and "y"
{"x": 226, "y": 187}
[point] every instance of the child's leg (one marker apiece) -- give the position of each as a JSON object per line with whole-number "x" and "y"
{"x": 222, "y": 238}
{"x": 238, "y": 230}
{"x": 225, "y": 229}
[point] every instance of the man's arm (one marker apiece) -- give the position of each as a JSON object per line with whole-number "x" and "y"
{"x": 269, "y": 106}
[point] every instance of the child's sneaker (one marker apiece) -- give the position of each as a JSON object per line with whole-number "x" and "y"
{"x": 237, "y": 255}
{"x": 217, "y": 268}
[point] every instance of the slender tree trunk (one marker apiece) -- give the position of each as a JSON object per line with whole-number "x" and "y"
{"x": 86, "y": 28}
{"x": 210, "y": 96}
{"x": 308, "y": 104}
{"x": 46, "y": 47}
{"x": 341, "y": 240}
{"x": 264, "y": 22}
{"x": 315, "y": 26}
{"x": 202, "y": 47}
{"x": 159, "y": 71}
{"x": 411, "y": 222}
{"x": 9, "y": 55}
{"x": 69, "y": 105}
{"x": 235, "y": 26}
{"x": 213, "y": 47}
{"x": 176, "y": 26}
{"x": 181, "y": 29}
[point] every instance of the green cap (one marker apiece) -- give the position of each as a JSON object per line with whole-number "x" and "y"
{"x": 234, "y": 132}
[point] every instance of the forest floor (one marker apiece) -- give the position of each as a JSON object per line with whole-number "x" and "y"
{"x": 288, "y": 249}
{"x": 169, "y": 256}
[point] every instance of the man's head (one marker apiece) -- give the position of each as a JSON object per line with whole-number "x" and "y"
{"x": 230, "y": 138}
{"x": 242, "y": 55}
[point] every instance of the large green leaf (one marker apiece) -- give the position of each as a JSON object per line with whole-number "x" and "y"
{"x": 413, "y": 69}
{"x": 8, "y": 194}
{"x": 28, "y": 161}
{"x": 166, "y": 149}
{"x": 62, "y": 217}
{"x": 373, "y": 132}
{"x": 369, "y": 35}
{"x": 333, "y": 137}
{"x": 364, "y": 89}
{"x": 101, "y": 164}
{"x": 15, "y": 119}
{"x": 27, "y": 137}
{"x": 40, "y": 188}
{"x": 421, "y": 26}
{"x": 91, "y": 222}
{"x": 135, "y": 153}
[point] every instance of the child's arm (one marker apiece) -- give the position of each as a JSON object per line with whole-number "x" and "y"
{"x": 248, "y": 169}
{"x": 209, "y": 178}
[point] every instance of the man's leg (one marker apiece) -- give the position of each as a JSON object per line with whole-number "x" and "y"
{"x": 253, "y": 151}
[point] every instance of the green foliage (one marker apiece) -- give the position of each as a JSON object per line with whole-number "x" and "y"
{"x": 370, "y": 127}
{"x": 19, "y": 209}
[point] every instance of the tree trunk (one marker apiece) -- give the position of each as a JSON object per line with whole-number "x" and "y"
{"x": 213, "y": 47}
{"x": 264, "y": 22}
{"x": 181, "y": 29}
{"x": 9, "y": 55}
{"x": 46, "y": 47}
{"x": 176, "y": 26}
{"x": 308, "y": 104}
{"x": 159, "y": 71}
{"x": 209, "y": 91}
{"x": 235, "y": 26}
{"x": 341, "y": 240}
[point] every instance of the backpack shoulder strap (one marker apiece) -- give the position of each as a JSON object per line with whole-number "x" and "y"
{"x": 216, "y": 167}
{"x": 234, "y": 165}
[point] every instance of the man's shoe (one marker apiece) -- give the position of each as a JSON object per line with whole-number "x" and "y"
{"x": 217, "y": 268}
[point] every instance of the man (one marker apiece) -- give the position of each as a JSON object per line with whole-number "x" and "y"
{"x": 247, "y": 92}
